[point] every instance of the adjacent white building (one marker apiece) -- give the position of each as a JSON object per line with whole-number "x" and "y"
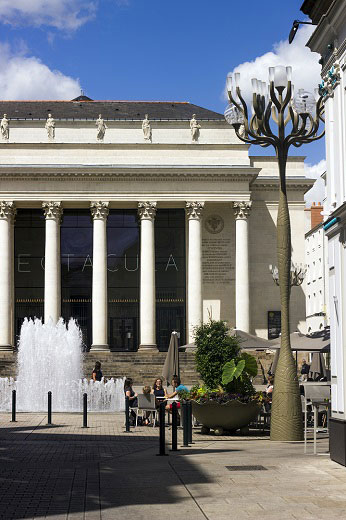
{"x": 329, "y": 40}
{"x": 137, "y": 230}
{"x": 316, "y": 280}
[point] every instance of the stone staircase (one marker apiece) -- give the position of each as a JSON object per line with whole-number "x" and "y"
{"x": 8, "y": 362}
{"x": 143, "y": 367}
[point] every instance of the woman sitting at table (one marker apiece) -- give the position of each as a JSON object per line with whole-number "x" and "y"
{"x": 158, "y": 390}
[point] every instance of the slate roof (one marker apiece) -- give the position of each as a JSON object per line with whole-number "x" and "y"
{"x": 111, "y": 110}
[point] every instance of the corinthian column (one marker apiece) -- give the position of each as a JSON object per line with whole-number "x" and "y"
{"x": 52, "y": 281}
{"x": 194, "y": 212}
{"x": 242, "y": 289}
{"x": 7, "y": 214}
{"x": 147, "y": 212}
{"x": 99, "y": 211}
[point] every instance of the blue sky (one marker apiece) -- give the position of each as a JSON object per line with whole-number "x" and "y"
{"x": 142, "y": 49}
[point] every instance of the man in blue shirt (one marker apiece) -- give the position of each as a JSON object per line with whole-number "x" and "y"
{"x": 177, "y": 387}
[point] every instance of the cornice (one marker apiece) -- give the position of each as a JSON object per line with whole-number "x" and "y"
{"x": 126, "y": 172}
{"x": 56, "y": 145}
{"x": 272, "y": 184}
{"x": 116, "y": 199}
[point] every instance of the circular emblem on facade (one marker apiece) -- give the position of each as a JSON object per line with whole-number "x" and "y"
{"x": 214, "y": 224}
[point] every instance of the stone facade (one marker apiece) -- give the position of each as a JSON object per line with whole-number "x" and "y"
{"x": 230, "y": 202}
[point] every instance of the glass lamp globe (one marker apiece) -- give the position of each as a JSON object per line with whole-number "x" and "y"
{"x": 233, "y": 116}
{"x": 304, "y": 102}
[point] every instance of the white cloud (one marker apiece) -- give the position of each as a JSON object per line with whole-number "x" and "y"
{"x": 317, "y": 192}
{"x": 62, "y": 14}
{"x": 26, "y": 77}
{"x": 306, "y": 70}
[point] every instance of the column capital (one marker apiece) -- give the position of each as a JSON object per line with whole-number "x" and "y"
{"x": 52, "y": 210}
{"x": 99, "y": 210}
{"x": 7, "y": 210}
{"x": 147, "y": 210}
{"x": 194, "y": 210}
{"x": 242, "y": 209}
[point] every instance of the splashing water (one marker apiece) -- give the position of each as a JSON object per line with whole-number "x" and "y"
{"x": 50, "y": 359}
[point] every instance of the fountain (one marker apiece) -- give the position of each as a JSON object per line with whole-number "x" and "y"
{"x": 50, "y": 359}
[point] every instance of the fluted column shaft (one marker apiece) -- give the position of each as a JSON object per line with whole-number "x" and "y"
{"x": 194, "y": 267}
{"x": 99, "y": 211}
{"x": 52, "y": 280}
{"x": 242, "y": 286}
{"x": 7, "y": 214}
{"x": 147, "y": 212}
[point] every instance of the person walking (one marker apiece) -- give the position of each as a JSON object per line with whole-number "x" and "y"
{"x": 133, "y": 397}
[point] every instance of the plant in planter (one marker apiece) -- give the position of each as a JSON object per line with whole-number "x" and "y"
{"x": 228, "y": 400}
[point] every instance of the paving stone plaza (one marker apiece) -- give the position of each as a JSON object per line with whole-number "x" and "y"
{"x": 65, "y": 471}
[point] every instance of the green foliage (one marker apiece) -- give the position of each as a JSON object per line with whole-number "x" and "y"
{"x": 221, "y": 364}
{"x": 236, "y": 376}
{"x": 215, "y": 347}
{"x": 250, "y": 364}
{"x": 184, "y": 395}
{"x": 231, "y": 371}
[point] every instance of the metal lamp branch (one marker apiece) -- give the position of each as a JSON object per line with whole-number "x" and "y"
{"x": 280, "y": 120}
{"x": 298, "y": 272}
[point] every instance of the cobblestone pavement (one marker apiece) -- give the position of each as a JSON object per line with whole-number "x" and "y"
{"x": 67, "y": 472}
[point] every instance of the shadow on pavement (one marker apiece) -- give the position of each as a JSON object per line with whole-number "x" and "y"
{"x": 48, "y": 475}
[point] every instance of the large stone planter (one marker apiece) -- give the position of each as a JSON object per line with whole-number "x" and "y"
{"x": 227, "y": 416}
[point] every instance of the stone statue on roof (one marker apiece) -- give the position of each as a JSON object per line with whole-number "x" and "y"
{"x": 146, "y": 128}
{"x": 50, "y": 127}
{"x": 101, "y": 128}
{"x": 5, "y": 128}
{"x": 195, "y": 128}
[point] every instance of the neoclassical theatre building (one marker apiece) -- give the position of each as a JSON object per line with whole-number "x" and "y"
{"x": 136, "y": 219}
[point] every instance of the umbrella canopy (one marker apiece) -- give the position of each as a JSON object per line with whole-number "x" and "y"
{"x": 171, "y": 366}
{"x": 299, "y": 342}
{"x": 317, "y": 367}
{"x": 319, "y": 342}
{"x": 189, "y": 347}
{"x": 254, "y": 342}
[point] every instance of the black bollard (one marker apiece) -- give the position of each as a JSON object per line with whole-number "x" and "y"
{"x": 185, "y": 424}
{"x": 14, "y": 396}
{"x": 49, "y": 408}
{"x": 85, "y": 410}
{"x": 127, "y": 414}
{"x": 174, "y": 426}
{"x": 162, "y": 416}
{"x": 189, "y": 421}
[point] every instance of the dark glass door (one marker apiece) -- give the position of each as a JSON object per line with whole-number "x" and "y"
{"x": 29, "y": 239}
{"x": 76, "y": 270}
{"x": 170, "y": 275}
{"x": 78, "y": 307}
{"x": 123, "y": 333}
{"x": 168, "y": 319}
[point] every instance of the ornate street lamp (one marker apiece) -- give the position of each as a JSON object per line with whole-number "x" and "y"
{"x": 280, "y": 120}
{"x": 298, "y": 272}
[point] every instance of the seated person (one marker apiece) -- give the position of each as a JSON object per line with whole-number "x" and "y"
{"x": 177, "y": 387}
{"x": 159, "y": 391}
{"x": 269, "y": 392}
{"x": 146, "y": 391}
{"x": 131, "y": 394}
